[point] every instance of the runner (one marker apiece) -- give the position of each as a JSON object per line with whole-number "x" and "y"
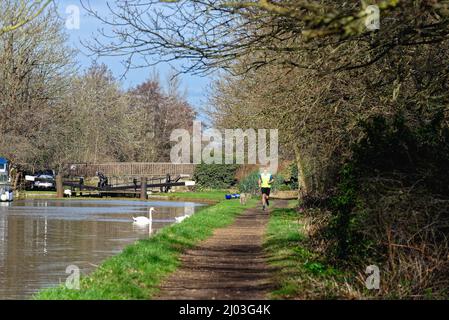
{"x": 265, "y": 181}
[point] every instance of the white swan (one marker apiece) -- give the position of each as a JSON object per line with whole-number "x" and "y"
{"x": 144, "y": 220}
{"x": 181, "y": 219}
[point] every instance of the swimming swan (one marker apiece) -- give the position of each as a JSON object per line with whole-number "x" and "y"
{"x": 181, "y": 219}
{"x": 144, "y": 220}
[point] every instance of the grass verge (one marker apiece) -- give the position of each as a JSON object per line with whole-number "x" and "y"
{"x": 213, "y": 195}
{"x": 200, "y": 196}
{"x": 300, "y": 274}
{"x": 139, "y": 269}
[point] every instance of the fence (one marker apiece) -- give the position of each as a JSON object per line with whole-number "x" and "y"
{"x": 130, "y": 169}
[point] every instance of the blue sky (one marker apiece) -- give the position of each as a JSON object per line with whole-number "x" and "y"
{"x": 195, "y": 86}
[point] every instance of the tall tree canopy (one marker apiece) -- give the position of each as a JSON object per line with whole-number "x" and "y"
{"x": 213, "y": 34}
{"x": 17, "y": 13}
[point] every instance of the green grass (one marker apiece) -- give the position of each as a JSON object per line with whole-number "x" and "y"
{"x": 299, "y": 272}
{"x": 214, "y": 195}
{"x": 140, "y": 268}
{"x": 31, "y": 192}
{"x": 207, "y": 196}
{"x": 292, "y": 203}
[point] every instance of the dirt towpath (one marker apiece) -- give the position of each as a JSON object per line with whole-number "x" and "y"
{"x": 229, "y": 265}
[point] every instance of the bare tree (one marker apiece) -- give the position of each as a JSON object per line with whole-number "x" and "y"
{"x": 213, "y": 34}
{"x": 17, "y": 13}
{"x": 35, "y": 68}
{"x": 156, "y": 113}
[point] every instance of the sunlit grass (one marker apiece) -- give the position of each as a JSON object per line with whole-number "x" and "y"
{"x": 300, "y": 274}
{"x": 215, "y": 195}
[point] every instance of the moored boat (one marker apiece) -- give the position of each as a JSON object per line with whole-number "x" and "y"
{"x": 6, "y": 193}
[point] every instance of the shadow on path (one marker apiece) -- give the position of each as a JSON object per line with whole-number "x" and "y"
{"x": 229, "y": 265}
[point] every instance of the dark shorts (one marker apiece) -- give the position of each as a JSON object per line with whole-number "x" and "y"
{"x": 266, "y": 191}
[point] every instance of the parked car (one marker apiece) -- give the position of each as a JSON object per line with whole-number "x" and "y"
{"x": 42, "y": 180}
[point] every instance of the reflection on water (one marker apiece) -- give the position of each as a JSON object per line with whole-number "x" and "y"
{"x": 39, "y": 239}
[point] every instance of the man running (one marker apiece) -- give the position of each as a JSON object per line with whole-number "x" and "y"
{"x": 265, "y": 181}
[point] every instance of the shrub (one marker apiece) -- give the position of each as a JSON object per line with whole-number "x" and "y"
{"x": 250, "y": 183}
{"x": 215, "y": 176}
{"x": 390, "y": 207}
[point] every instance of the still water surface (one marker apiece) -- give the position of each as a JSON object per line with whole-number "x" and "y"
{"x": 39, "y": 239}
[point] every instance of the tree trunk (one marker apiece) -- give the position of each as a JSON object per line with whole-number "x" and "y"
{"x": 59, "y": 187}
{"x": 302, "y": 179}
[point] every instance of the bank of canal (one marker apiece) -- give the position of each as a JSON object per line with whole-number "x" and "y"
{"x": 136, "y": 272}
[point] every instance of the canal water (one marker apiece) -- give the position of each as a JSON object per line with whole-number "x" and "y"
{"x": 40, "y": 239}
